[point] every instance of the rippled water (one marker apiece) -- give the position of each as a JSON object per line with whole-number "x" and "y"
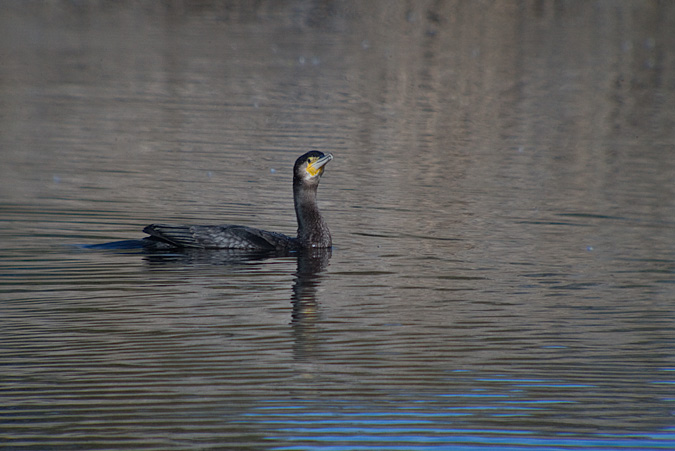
{"x": 502, "y": 204}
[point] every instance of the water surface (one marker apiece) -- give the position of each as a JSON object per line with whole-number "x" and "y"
{"x": 502, "y": 204}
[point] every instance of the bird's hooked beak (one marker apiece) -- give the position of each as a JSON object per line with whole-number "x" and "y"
{"x": 316, "y": 167}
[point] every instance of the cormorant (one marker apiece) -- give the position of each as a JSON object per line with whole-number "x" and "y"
{"x": 312, "y": 229}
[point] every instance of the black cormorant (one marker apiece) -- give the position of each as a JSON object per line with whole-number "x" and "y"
{"x": 312, "y": 229}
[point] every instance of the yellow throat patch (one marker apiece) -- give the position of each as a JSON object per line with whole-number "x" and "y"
{"x": 312, "y": 170}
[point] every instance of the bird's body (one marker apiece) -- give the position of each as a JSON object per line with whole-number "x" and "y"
{"x": 312, "y": 229}
{"x": 226, "y": 236}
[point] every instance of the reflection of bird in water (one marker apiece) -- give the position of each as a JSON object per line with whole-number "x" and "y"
{"x": 305, "y": 316}
{"x": 312, "y": 230}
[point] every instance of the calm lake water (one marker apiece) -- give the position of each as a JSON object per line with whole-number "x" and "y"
{"x": 502, "y": 204}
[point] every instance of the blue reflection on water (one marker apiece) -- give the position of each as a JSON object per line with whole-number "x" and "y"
{"x": 342, "y": 426}
{"x": 475, "y": 440}
{"x": 334, "y": 439}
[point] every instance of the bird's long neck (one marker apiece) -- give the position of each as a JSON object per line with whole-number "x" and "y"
{"x": 312, "y": 230}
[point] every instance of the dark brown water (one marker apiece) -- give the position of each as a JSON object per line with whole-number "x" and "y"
{"x": 502, "y": 203}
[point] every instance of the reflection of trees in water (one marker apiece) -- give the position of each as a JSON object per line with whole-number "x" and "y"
{"x": 311, "y": 264}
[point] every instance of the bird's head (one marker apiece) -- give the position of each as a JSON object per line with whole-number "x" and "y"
{"x": 309, "y": 167}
